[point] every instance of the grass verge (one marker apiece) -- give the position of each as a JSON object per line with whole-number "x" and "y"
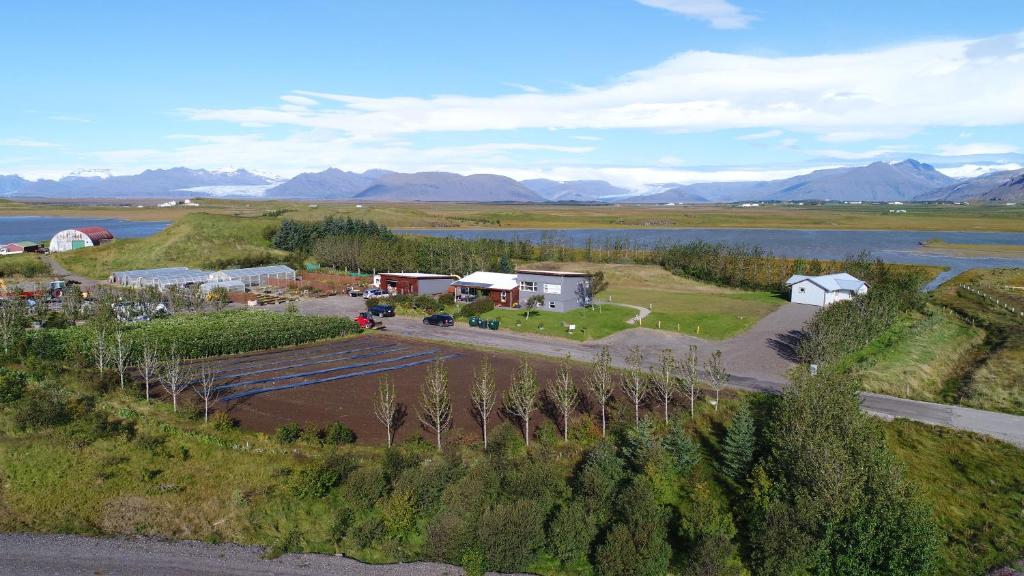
{"x": 591, "y": 324}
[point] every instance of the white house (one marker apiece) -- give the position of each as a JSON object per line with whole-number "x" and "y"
{"x": 824, "y": 290}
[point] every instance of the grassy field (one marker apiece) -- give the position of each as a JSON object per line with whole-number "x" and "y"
{"x": 976, "y": 487}
{"x": 23, "y": 266}
{"x": 973, "y": 250}
{"x": 590, "y": 324}
{"x": 455, "y": 215}
{"x": 996, "y": 381}
{"x": 922, "y": 357}
{"x": 680, "y": 304}
{"x": 197, "y": 240}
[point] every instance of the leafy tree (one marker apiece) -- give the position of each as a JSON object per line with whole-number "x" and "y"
{"x": 339, "y": 433}
{"x": 532, "y": 302}
{"x": 435, "y": 410}
{"x": 483, "y": 393}
{"x": 521, "y": 396}
{"x": 12, "y": 385}
{"x": 738, "y": 447}
{"x": 564, "y": 394}
{"x": 717, "y": 377}
{"x": 598, "y": 478}
{"x": 689, "y": 374}
{"x": 636, "y": 543}
{"x": 571, "y": 531}
{"x": 663, "y": 379}
{"x": 829, "y": 498}
{"x": 511, "y": 534}
{"x": 13, "y": 320}
{"x": 681, "y": 448}
{"x": 707, "y": 528}
{"x": 385, "y": 407}
{"x": 634, "y": 382}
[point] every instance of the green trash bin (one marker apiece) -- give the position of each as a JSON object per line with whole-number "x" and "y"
{"x": 474, "y": 320}
{"x": 493, "y": 324}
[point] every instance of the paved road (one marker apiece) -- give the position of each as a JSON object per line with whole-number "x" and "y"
{"x": 53, "y": 555}
{"x": 757, "y": 360}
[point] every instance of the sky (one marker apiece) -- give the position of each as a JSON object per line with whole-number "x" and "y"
{"x": 636, "y": 92}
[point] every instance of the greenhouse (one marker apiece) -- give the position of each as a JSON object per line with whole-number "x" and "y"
{"x": 229, "y": 285}
{"x": 258, "y": 276}
{"x": 162, "y": 277}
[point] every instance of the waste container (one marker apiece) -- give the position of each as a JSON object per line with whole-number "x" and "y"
{"x": 474, "y": 320}
{"x": 493, "y": 324}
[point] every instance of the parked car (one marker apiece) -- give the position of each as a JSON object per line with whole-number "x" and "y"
{"x": 439, "y": 320}
{"x": 373, "y": 293}
{"x": 385, "y": 310}
{"x": 355, "y": 292}
{"x": 365, "y": 320}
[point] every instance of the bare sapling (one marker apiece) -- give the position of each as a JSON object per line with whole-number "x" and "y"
{"x": 521, "y": 396}
{"x": 149, "y": 365}
{"x": 717, "y": 377}
{"x": 689, "y": 375}
{"x": 601, "y": 384}
{"x": 634, "y": 381}
{"x": 385, "y": 407}
{"x": 664, "y": 381}
{"x": 435, "y": 410}
{"x": 564, "y": 394}
{"x": 175, "y": 377}
{"x": 206, "y": 388}
{"x": 122, "y": 354}
{"x": 484, "y": 394}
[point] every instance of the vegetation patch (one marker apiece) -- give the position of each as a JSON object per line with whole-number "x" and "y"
{"x": 590, "y": 324}
{"x": 22, "y": 266}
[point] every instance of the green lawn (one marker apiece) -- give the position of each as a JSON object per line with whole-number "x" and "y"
{"x": 198, "y": 240}
{"x": 924, "y": 355}
{"x": 976, "y": 487}
{"x": 680, "y": 304}
{"x": 591, "y": 324}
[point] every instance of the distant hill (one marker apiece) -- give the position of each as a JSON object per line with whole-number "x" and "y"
{"x": 331, "y": 183}
{"x": 151, "y": 183}
{"x": 996, "y": 186}
{"x": 448, "y": 187}
{"x": 880, "y": 181}
{"x": 9, "y": 185}
{"x": 574, "y": 190}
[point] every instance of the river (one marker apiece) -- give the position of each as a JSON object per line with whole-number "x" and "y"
{"x": 897, "y": 246}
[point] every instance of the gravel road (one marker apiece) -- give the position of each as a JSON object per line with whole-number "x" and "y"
{"x": 52, "y": 555}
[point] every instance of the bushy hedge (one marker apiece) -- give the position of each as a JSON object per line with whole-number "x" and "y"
{"x": 409, "y": 302}
{"x": 199, "y": 335}
{"x": 476, "y": 308}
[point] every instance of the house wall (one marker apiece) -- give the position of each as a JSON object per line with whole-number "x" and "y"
{"x": 434, "y": 286}
{"x": 504, "y": 298}
{"x": 807, "y": 292}
{"x": 561, "y": 293}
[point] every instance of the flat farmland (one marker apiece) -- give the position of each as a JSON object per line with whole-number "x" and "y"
{"x": 337, "y": 381}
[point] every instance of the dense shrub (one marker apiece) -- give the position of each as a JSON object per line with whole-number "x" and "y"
{"x": 365, "y": 486}
{"x": 599, "y": 477}
{"x": 41, "y": 408}
{"x": 338, "y": 433}
{"x": 316, "y": 480}
{"x": 288, "y": 433}
{"x": 636, "y": 542}
{"x": 12, "y": 385}
{"x": 200, "y": 335}
{"x": 511, "y": 534}
{"x": 571, "y": 532}
{"x": 476, "y": 308}
{"x": 222, "y": 422}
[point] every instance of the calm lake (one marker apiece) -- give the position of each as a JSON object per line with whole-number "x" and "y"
{"x": 40, "y": 228}
{"x": 890, "y": 245}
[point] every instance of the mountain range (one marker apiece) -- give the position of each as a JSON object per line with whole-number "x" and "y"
{"x": 880, "y": 181}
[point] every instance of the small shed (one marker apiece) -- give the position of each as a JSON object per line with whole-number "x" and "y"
{"x": 415, "y": 283}
{"x": 75, "y": 238}
{"x": 256, "y": 276}
{"x": 19, "y": 247}
{"x": 502, "y": 289}
{"x": 824, "y": 290}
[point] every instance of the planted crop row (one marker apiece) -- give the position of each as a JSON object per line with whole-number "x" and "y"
{"x": 324, "y": 371}
{"x": 197, "y": 335}
{"x": 305, "y": 361}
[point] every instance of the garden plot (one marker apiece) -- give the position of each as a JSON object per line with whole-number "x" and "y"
{"x": 319, "y": 384}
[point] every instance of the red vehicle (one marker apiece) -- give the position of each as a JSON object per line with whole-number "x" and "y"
{"x": 366, "y": 321}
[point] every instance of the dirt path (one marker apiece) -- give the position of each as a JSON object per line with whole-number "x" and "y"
{"x": 46, "y": 554}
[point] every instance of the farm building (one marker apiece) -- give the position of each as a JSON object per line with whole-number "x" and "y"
{"x": 162, "y": 278}
{"x": 502, "y": 289}
{"x": 562, "y": 291}
{"x": 258, "y": 276}
{"x": 824, "y": 290}
{"x": 415, "y": 283}
{"x": 18, "y": 248}
{"x": 75, "y": 238}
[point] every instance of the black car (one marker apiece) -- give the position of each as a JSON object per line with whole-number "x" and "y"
{"x": 385, "y": 310}
{"x": 439, "y": 320}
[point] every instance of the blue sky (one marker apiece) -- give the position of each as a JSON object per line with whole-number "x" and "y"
{"x": 633, "y": 91}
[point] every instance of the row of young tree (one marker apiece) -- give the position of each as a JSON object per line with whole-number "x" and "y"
{"x": 671, "y": 378}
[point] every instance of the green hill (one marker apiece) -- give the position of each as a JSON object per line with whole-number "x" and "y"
{"x": 198, "y": 241}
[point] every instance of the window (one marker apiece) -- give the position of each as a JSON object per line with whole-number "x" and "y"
{"x": 551, "y": 305}
{"x": 527, "y": 286}
{"x": 504, "y": 296}
{"x": 552, "y": 288}
{"x": 802, "y": 290}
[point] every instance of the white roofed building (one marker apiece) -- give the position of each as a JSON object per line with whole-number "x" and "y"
{"x": 824, "y": 290}
{"x": 502, "y": 289}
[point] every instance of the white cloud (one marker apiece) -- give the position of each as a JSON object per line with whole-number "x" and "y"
{"x": 863, "y": 135}
{"x": 859, "y": 154}
{"x": 75, "y": 119}
{"x": 972, "y": 170}
{"x": 976, "y": 148}
{"x": 589, "y": 138}
{"x": 761, "y": 135}
{"x": 524, "y": 87}
{"x": 26, "y": 143}
{"x": 297, "y": 100}
{"x": 849, "y": 95}
{"x": 718, "y": 13}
